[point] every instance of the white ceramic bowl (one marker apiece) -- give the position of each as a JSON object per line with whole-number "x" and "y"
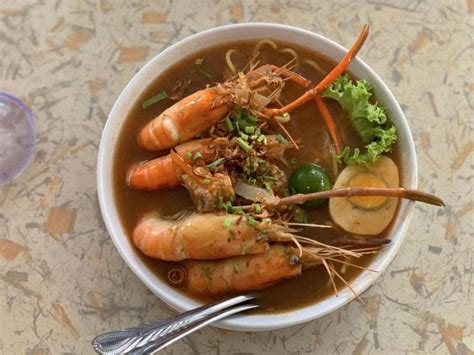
{"x": 222, "y": 35}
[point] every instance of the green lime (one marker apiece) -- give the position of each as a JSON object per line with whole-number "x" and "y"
{"x": 309, "y": 178}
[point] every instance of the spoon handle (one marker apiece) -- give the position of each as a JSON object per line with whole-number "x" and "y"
{"x": 127, "y": 340}
{"x": 162, "y": 342}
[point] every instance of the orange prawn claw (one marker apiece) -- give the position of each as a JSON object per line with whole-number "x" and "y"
{"x": 338, "y": 70}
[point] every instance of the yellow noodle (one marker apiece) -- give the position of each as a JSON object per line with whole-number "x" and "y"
{"x": 315, "y": 66}
{"x": 228, "y": 60}
{"x": 262, "y": 42}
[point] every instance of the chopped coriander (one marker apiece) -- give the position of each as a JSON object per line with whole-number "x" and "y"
{"x": 205, "y": 73}
{"x": 244, "y": 145}
{"x": 224, "y": 205}
{"x": 236, "y": 210}
{"x": 257, "y": 208}
{"x": 249, "y": 130}
{"x": 154, "y": 99}
{"x": 215, "y": 163}
{"x": 227, "y": 222}
{"x": 281, "y": 139}
{"x": 198, "y": 61}
{"x": 197, "y": 155}
{"x": 251, "y": 221}
{"x": 229, "y": 125}
{"x": 262, "y": 139}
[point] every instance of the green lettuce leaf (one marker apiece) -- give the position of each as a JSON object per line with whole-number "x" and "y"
{"x": 369, "y": 120}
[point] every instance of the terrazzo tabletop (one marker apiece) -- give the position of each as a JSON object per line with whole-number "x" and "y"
{"x": 61, "y": 280}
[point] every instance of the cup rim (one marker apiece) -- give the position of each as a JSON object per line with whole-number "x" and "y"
{"x": 265, "y": 321}
{"x": 31, "y": 149}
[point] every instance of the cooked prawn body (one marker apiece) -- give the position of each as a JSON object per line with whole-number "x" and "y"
{"x": 198, "y": 236}
{"x": 184, "y": 120}
{"x": 241, "y": 273}
{"x": 162, "y": 173}
{"x": 202, "y": 109}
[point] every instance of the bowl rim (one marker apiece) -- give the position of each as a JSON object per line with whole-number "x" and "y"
{"x": 266, "y": 321}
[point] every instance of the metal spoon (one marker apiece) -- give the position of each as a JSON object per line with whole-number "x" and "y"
{"x": 155, "y": 336}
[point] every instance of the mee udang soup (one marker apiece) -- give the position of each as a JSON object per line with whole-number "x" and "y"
{"x": 236, "y": 171}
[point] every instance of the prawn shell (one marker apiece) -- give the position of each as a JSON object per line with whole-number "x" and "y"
{"x": 198, "y": 236}
{"x": 184, "y": 120}
{"x": 162, "y": 172}
{"x": 241, "y": 273}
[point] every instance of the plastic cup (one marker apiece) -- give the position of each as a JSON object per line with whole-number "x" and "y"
{"x": 17, "y": 137}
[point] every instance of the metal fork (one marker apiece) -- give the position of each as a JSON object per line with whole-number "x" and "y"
{"x": 155, "y": 336}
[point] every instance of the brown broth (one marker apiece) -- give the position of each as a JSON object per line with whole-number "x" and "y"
{"x": 306, "y": 126}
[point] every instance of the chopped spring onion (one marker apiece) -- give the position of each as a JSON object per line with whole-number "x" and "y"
{"x": 281, "y": 139}
{"x": 244, "y": 136}
{"x": 154, "y": 99}
{"x": 229, "y": 125}
{"x": 266, "y": 220}
{"x": 197, "y": 155}
{"x": 205, "y": 73}
{"x": 249, "y": 130}
{"x": 244, "y": 119}
{"x": 198, "y": 61}
{"x": 215, "y": 163}
{"x": 262, "y": 139}
{"x": 243, "y": 144}
{"x": 206, "y": 181}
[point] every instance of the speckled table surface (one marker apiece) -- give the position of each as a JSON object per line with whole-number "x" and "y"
{"x": 61, "y": 280}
